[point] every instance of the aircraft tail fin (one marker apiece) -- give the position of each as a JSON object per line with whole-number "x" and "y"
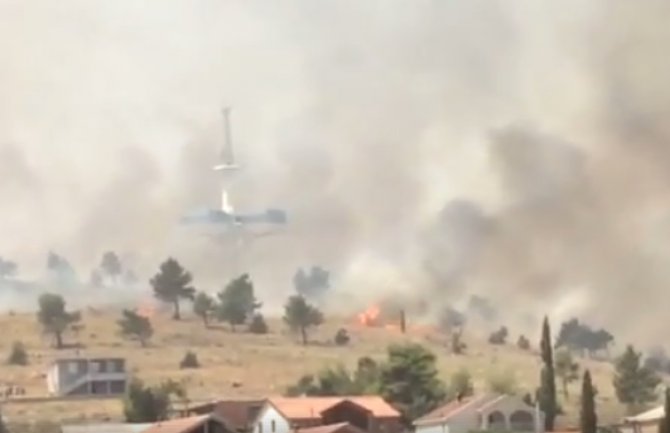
{"x": 227, "y": 156}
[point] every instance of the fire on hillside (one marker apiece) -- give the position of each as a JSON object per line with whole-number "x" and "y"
{"x": 374, "y": 317}
{"x": 147, "y": 308}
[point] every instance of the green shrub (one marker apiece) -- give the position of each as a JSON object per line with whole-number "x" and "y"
{"x": 190, "y": 360}
{"x": 19, "y": 355}
{"x": 258, "y": 325}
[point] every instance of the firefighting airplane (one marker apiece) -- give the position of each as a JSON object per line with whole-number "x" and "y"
{"x": 219, "y": 223}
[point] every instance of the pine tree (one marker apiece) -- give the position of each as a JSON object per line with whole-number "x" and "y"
{"x": 111, "y": 266}
{"x": 547, "y": 391}
{"x": 566, "y": 369}
{"x": 134, "y": 326}
{"x": 635, "y": 384}
{"x": 410, "y": 381}
{"x": 300, "y": 315}
{"x": 54, "y": 318}
{"x": 588, "y": 417}
{"x": 3, "y": 427}
{"x": 203, "y": 306}
{"x": 172, "y": 283}
{"x": 237, "y": 302}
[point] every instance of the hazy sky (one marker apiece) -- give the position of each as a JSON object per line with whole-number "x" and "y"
{"x": 363, "y": 120}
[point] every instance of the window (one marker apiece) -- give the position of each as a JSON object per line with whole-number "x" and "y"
{"x": 273, "y": 426}
{"x": 117, "y": 387}
{"x": 117, "y": 365}
{"x": 98, "y": 367}
{"x": 73, "y": 367}
{"x": 496, "y": 421}
{"x": 99, "y": 387}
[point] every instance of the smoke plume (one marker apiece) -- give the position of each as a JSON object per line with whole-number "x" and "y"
{"x": 513, "y": 150}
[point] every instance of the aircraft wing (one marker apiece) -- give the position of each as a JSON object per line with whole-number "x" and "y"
{"x": 209, "y": 216}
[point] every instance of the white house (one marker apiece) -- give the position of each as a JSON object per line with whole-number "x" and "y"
{"x": 485, "y": 412}
{"x": 370, "y": 414}
{"x": 87, "y": 376}
{"x": 645, "y": 422}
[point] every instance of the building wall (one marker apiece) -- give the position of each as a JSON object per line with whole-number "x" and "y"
{"x": 647, "y": 427}
{"x": 52, "y": 380}
{"x": 270, "y": 418}
{"x": 79, "y": 373}
{"x": 507, "y": 408}
{"x": 70, "y": 372}
{"x": 465, "y": 421}
{"x": 435, "y": 428}
{"x": 386, "y": 425}
{"x": 470, "y": 419}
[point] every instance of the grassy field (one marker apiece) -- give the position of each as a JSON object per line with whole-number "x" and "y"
{"x": 240, "y": 364}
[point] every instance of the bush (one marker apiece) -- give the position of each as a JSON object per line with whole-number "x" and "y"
{"x": 499, "y": 337}
{"x": 523, "y": 343}
{"x": 19, "y": 356}
{"x": 458, "y": 347}
{"x": 258, "y": 325}
{"x": 503, "y": 383}
{"x": 342, "y": 337}
{"x": 190, "y": 361}
{"x": 461, "y": 385}
{"x": 144, "y": 404}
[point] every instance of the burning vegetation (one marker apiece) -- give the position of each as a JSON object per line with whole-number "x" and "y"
{"x": 392, "y": 319}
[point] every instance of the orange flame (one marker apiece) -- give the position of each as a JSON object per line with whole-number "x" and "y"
{"x": 370, "y": 317}
{"x": 146, "y": 308}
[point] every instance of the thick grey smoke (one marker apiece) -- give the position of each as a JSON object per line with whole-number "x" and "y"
{"x": 431, "y": 148}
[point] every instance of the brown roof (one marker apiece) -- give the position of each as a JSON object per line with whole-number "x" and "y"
{"x": 179, "y": 425}
{"x": 237, "y": 412}
{"x": 343, "y": 427}
{"x": 454, "y": 407}
{"x": 312, "y": 407}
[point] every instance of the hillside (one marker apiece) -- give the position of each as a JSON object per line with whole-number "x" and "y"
{"x": 240, "y": 364}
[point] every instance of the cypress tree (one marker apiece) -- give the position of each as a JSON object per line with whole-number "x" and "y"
{"x": 3, "y": 427}
{"x": 587, "y": 416}
{"x": 547, "y": 391}
{"x": 664, "y": 426}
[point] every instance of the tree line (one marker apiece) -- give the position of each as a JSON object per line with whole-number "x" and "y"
{"x": 236, "y": 305}
{"x": 635, "y": 382}
{"x": 409, "y": 379}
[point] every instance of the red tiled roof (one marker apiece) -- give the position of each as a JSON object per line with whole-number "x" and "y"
{"x": 312, "y": 407}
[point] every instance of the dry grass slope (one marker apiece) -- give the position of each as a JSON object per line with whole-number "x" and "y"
{"x": 241, "y": 364}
